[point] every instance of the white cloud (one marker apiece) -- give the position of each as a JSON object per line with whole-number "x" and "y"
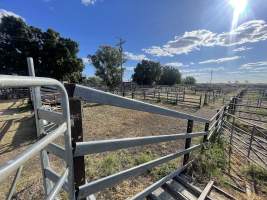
{"x": 220, "y": 60}
{"x": 175, "y": 64}
{"x": 243, "y": 48}
{"x": 5, "y": 13}
{"x": 88, "y": 2}
{"x": 157, "y": 51}
{"x": 131, "y": 56}
{"x": 248, "y": 32}
{"x": 86, "y": 61}
{"x": 202, "y": 70}
{"x": 253, "y": 65}
{"x": 129, "y": 69}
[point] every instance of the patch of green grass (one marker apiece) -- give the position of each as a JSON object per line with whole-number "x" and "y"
{"x": 256, "y": 172}
{"x": 261, "y": 112}
{"x": 163, "y": 170}
{"x": 143, "y": 158}
{"x": 211, "y": 162}
{"x": 113, "y": 162}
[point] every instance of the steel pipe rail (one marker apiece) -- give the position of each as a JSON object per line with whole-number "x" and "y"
{"x": 240, "y": 119}
{"x": 20, "y": 159}
{"x": 27, "y": 81}
{"x": 97, "y": 96}
{"x": 142, "y": 195}
{"x": 218, "y": 113}
{"x": 109, "y": 181}
{"x": 84, "y": 148}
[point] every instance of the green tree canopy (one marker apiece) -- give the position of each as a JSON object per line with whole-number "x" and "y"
{"x": 147, "y": 72}
{"x": 107, "y": 61}
{"x": 170, "y": 76}
{"x": 93, "y": 81}
{"x": 189, "y": 80}
{"x": 54, "y": 56}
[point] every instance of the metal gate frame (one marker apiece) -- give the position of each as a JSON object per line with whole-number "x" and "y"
{"x": 52, "y": 182}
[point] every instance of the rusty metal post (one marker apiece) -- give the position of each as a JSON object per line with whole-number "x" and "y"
{"x": 190, "y": 124}
{"x": 205, "y": 138}
{"x": 76, "y": 135}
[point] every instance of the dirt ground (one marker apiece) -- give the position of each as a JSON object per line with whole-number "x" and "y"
{"x": 100, "y": 122}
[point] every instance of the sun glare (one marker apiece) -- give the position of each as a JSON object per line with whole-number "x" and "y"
{"x": 239, "y": 6}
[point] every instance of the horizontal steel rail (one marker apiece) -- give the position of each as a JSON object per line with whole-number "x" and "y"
{"x": 50, "y": 116}
{"x": 27, "y": 81}
{"x": 240, "y": 119}
{"x": 20, "y": 159}
{"x": 97, "y": 96}
{"x": 248, "y": 106}
{"x": 218, "y": 113}
{"x": 142, "y": 195}
{"x": 84, "y": 148}
{"x": 109, "y": 181}
{"x": 57, "y": 150}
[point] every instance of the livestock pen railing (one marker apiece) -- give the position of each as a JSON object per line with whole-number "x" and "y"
{"x": 46, "y": 135}
{"x": 84, "y": 148}
{"x": 73, "y": 179}
{"x": 247, "y": 138}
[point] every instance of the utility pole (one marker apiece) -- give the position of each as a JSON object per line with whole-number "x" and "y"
{"x": 119, "y": 44}
{"x": 211, "y": 73}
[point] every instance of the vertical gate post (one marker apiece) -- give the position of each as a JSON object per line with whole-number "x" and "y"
{"x": 36, "y": 99}
{"x": 190, "y": 124}
{"x": 76, "y": 135}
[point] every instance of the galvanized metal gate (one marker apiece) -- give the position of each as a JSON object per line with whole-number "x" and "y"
{"x": 45, "y": 119}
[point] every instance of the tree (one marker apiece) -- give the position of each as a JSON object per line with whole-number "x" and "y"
{"x": 147, "y": 72}
{"x": 170, "y": 76}
{"x": 107, "y": 61}
{"x": 54, "y": 56}
{"x": 189, "y": 80}
{"x": 93, "y": 81}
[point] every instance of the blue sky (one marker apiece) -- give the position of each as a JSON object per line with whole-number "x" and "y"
{"x": 196, "y": 36}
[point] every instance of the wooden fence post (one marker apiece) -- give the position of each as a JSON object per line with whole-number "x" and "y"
{"x": 190, "y": 124}
{"x": 206, "y": 99}
{"x": 200, "y": 101}
{"x": 76, "y": 135}
{"x": 205, "y": 138}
